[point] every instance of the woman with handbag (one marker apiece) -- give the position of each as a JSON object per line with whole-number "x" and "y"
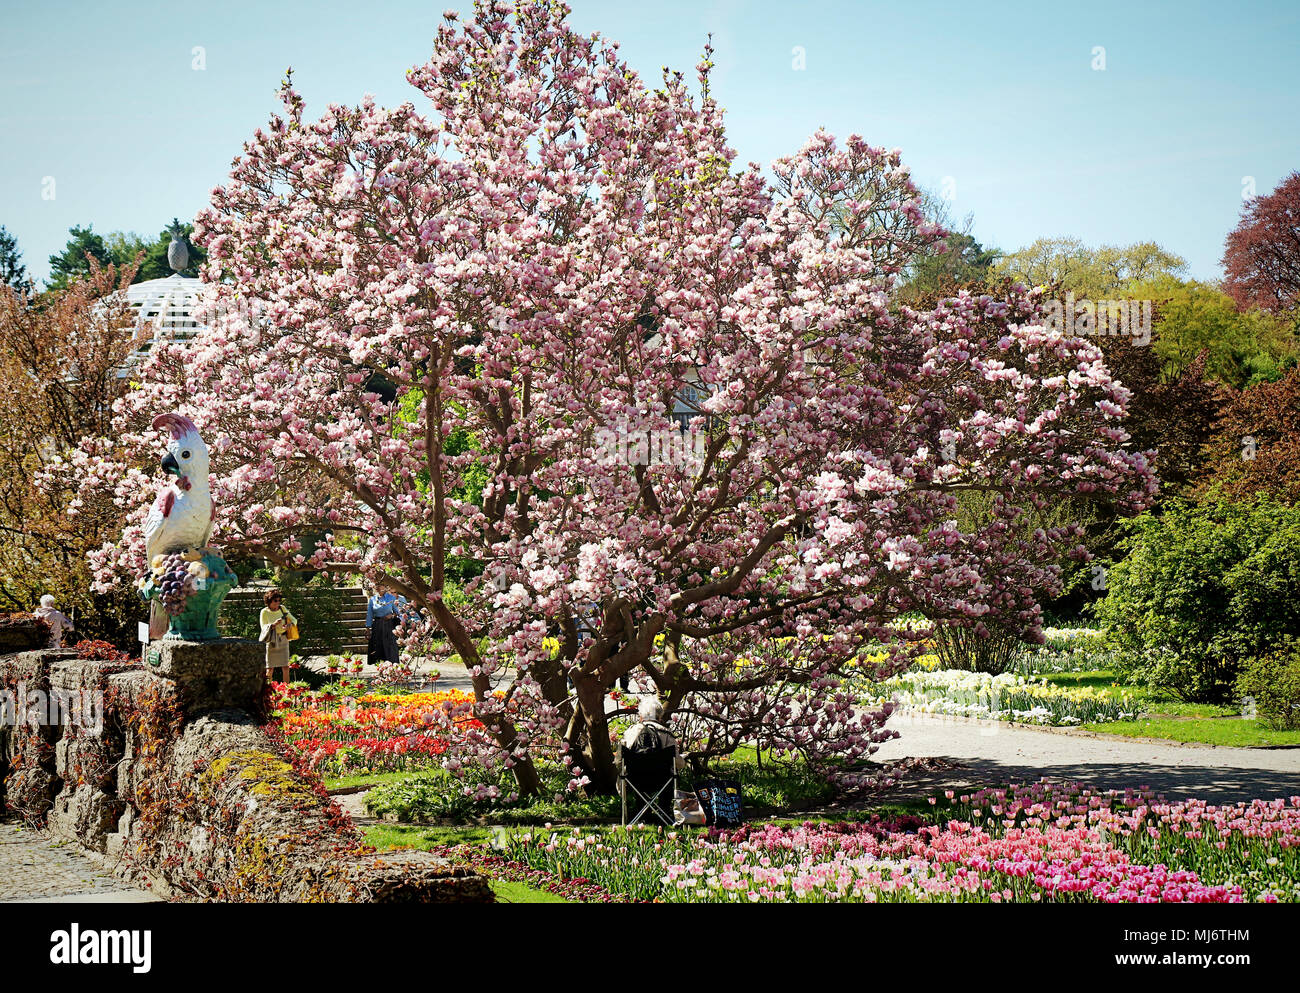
{"x": 279, "y": 627}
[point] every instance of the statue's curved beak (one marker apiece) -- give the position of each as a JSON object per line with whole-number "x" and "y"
{"x": 169, "y": 464}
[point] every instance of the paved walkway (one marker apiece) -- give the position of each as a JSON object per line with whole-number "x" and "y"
{"x": 34, "y": 869}
{"x": 451, "y": 676}
{"x": 994, "y": 754}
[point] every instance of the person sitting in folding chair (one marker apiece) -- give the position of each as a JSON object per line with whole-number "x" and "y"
{"x": 648, "y": 767}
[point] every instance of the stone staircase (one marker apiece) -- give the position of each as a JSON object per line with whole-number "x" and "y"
{"x": 353, "y": 617}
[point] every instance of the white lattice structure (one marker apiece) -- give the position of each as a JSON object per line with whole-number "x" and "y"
{"x": 164, "y": 309}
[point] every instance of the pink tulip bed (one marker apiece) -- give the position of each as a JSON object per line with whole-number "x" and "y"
{"x": 1041, "y": 842}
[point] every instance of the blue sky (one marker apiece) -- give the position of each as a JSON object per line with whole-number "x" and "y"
{"x": 1001, "y": 100}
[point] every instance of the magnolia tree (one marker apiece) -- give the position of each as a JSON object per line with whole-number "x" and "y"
{"x": 482, "y": 325}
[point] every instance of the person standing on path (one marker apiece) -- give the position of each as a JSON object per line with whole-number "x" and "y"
{"x": 384, "y": 611}
{"x": 276, "y": 621}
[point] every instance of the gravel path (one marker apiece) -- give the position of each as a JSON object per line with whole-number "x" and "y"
{"x": 994, "y": 754}
{"x": 35, "y": 870}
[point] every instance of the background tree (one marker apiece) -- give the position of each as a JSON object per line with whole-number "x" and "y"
{"x": 59, "y": 365}
{"x": 1195, "y": 319}
{"x": 1206, "y": 589}
{"x": 1093, "y": 273}
{"x": 1261, "y": 257}
{"x": 1174, "y": 415}
{"x": 546, "y": 266}
{"x": 965, "y": 264}
{"x": 1257, "y": 445}
{"x": 956, "y": 262}
{"x": 126, "y": 246}
{"x": 13, "y": 273}
{"x": 154, "y": 265}
{"x": 122, "y": 248}
{"x": 1241, "y": 347}
{"x": 75, "y": 259}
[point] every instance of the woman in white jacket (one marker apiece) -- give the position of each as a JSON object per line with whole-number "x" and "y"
{"x": 275, "y": 621}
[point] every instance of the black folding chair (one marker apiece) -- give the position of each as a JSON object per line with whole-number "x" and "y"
{"x": 647, "y": 781}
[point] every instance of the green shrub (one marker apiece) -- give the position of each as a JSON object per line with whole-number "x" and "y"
{"x": 1204, "y": 589}
{"x": 1273, "y": 681}
{"x": 994, "y": 651}
{"x": 436, "y": 795}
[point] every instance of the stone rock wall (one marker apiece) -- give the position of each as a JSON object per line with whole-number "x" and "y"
{"x": 163, "y": 772}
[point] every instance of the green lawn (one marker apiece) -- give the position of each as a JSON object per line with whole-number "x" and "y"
{"x": 425, "y": 836}
{"x": 364, "y": 779}
{"x": 1165, "y": 716}
{"x": 509, "y": 892}
{"x": 1096, "y": 678}
{"x": 390, "y": 836}
{"x": 1205, "y": 730}
{"x": 773, "y": 787}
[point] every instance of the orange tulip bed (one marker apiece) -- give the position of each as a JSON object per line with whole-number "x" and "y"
{"x": 340, "y": 734}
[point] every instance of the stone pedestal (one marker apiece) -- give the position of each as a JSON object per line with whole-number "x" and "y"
{"x": 211, "y": 675}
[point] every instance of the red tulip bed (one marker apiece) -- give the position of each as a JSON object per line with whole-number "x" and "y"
{"x": 1041, "y": 842}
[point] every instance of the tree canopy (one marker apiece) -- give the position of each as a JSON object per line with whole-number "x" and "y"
{"x": 13, "y": 273}
{"x": 1261, "y": 257}
{"x": 1096, "y": 273}
{"x": 76, "y": 258}
{"x": 547, "y": 267}
{"x": 59, "y": 364}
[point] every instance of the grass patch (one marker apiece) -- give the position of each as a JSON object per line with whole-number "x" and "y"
{"x": 1236, "y": 731}
{"x": 1097, "y": 679}
{"x": 424, "y": 837}
{"x": 508, "y": 891}
{"x": 1161, "y": 707}
{"x": 435, "y": 796}
{"x": 364, "y": 779}
{"x": 396, "y": 836}
{"x": 770, "y": 787}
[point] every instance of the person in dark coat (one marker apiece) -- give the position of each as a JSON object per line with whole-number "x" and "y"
{"x": 384, "y": 611}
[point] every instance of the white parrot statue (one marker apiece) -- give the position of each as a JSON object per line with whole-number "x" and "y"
{"x": 181, "y": 516}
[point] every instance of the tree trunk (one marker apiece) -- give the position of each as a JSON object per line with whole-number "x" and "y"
{"x": 598, "y": 756}
{"x": 525, "y": 772}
